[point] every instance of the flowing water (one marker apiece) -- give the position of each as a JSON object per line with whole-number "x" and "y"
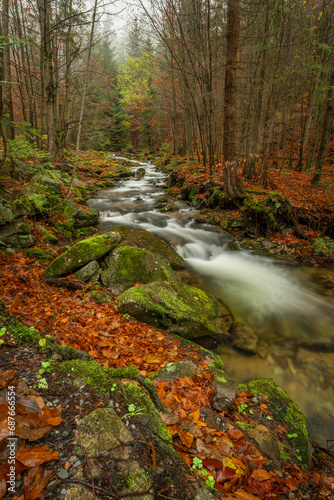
{"x": 293, "y": 317}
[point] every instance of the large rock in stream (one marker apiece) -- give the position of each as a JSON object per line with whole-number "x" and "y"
{"x": 129, "y": 265}
{"x": 175, "y": 307}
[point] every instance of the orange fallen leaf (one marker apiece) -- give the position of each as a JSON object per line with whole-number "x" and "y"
{"x": 261, "y": 475}
{"x": 6, "y": 377}
{"x": 33, "y": 434}
{"x": 37, "y": 455}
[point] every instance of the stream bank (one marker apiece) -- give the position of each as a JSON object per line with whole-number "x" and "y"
{"x": 25, "y": 283}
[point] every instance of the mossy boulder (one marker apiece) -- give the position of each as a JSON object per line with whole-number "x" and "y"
{"x": 102, "y": 431}
{"x": 88, "y": 217}
{"x": 47, "y": 235}
{"x": 39, "y": 254}
{"x": 19, "y": 226}
{"x": 6, "y": 213}
{"x": 81, "y": 253}
{"x": 130, "y": 265}
{"x": 49, "y": 182}
{"x": 175, "y": 307}
{"x": 86, "y": 231}
{"x": 141, "y": 238}
{"x": 284, "y": 411}
{"x": 22, "y": 240}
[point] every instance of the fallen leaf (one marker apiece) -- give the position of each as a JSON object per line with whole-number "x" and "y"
{"x": 6, "y": 377}
{"x": 35, "y": 481}
{"x": 261, "y": 475}
{"x": 37, "y": 455}
{"x": 33, "y": 434}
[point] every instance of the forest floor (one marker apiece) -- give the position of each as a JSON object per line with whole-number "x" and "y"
{"x": 73, "y": 318}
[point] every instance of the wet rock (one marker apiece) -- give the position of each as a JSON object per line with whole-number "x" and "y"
{"x": 265, "y": 441}
{"x": 268, "y": 245}
{"x": 245, "y": 338}
{"x": 224, "y": 391}
{"x": 86, "y": 218}
{"x": 141, "y": 172}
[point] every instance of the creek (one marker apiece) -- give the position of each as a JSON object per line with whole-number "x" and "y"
{"x": 289, "y": 307}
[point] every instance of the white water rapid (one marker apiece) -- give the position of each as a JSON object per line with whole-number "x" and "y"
{"x": 284, "y": 310}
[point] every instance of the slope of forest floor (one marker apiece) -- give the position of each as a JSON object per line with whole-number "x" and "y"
{"x": 74, "y": 318}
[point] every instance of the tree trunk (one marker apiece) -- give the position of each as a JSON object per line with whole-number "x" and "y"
{"x": 232, "y": 183}
{"x": 46, "y": 54}
{"x": 326, "y": 130}
{"x": 7, "y": 104}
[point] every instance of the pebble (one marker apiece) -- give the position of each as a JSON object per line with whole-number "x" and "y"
{"x": 48, "y": 404}
{"x": 65, "y": 434}
{"x": 63, "y": 491}
{"x": 62, "y": 473}
{"x": 55, "y": 401}
{"x": 53, "y": 485}
{"x": 77, "y": 463}
{"x": 81, "y": 402}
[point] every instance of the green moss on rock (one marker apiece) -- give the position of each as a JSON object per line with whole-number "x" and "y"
{"x": 129, "y": 265}
{"x": 150, "y": 415}
{"x": 141, "y": 238}
{"x": 81, "y": 253}
{"x": 39, "y": 254}
{"x": 285, "y": 410}
{"x": 179, "y": 308}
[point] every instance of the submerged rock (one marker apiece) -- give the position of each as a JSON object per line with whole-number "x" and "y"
{"x": 177, "y": 308}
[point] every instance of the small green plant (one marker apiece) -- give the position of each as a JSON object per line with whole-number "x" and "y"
{"x": 2, "y": 333}
{"x": 323, "y": 246}
{"x": 46, "y": 367}
{"x": 198, "y": 467}
{"x": 242, "y": 408}
{"x": 113, "y": 387}
{"x": 283, "y": 453}
{"x": 42, "y": 384}
{"x": 126, "y": 316}
{"x": 132, "y": 411}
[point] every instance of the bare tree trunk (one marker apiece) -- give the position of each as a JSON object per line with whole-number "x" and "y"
{"x": 326, "y": 130}
{"x": 7, "y": 103}
{"x": 82, "y": 103}
{"x": 232, "y": 183}
{"x": 46, "y": 54}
